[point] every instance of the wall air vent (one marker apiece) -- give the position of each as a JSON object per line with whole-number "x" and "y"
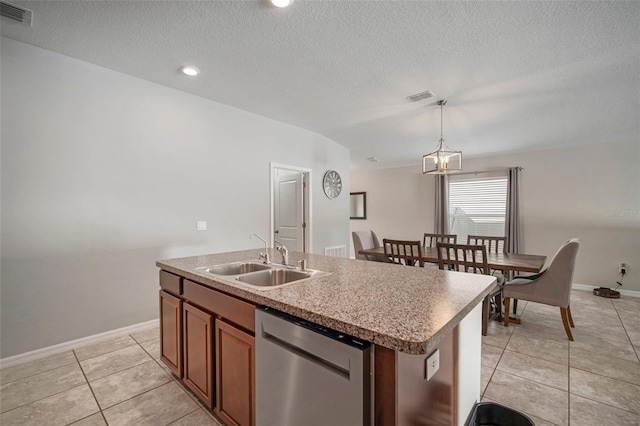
{"x": 420, "y": 96}
{"x": 15, "y": 13}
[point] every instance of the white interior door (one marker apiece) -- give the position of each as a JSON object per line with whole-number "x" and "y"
{"x": 289, "y": 209}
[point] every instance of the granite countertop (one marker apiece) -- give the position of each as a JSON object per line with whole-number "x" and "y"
{"x": 409, "y": 309}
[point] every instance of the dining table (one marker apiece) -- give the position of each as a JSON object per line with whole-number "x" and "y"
{"x": 506, "y": 262}
{"x": 516, "y": 262}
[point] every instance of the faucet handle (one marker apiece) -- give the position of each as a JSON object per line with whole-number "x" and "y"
{"x": 264, "y": 256}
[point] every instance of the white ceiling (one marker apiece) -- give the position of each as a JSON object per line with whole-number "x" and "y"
{"x": 518, "y": 76}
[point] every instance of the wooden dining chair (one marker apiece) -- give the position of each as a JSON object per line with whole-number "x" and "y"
{"x": 493, "y": 244}
{"x": 433, "y": 239}
{"x": 403, "y": 252}
{"x": 471, "y": 259}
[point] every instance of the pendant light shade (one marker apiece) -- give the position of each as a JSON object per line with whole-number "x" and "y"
{"x": 443, "y": 160}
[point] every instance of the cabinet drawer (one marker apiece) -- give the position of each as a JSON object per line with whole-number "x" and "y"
{"x": 171, "y": 283}
{"x": 228, "y": 307}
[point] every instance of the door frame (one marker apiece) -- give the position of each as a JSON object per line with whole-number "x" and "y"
{"x": 306, "y": 195}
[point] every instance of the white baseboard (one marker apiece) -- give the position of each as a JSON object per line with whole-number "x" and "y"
{"x": 623, "y": 292}
{"x": 75, "y": 344}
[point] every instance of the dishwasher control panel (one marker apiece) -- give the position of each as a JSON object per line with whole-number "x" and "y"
{"x": 333, "y": 334}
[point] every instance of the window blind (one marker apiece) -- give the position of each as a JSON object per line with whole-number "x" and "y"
{"x": 477, "y": 207}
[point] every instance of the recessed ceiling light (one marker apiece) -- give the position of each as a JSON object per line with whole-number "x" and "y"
{"x": 190, "y": 70}
{"x": 281, "y": 3}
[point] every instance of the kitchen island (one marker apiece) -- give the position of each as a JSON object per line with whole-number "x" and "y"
{"x": 406, "y": 313}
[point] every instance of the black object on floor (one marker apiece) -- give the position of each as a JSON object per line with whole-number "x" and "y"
{"x": 606, "y": 292}
{"x": 490, "y": 413}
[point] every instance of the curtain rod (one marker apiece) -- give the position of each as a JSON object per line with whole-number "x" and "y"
{"x": 503, "y": 169}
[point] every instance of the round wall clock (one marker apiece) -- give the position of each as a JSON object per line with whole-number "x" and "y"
{"x": 332, "y": 184}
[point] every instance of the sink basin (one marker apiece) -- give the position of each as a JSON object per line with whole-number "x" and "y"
{"x": 236, "y": 268}
{"x": 273, "y": 277}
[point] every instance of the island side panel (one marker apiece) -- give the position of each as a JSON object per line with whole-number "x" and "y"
{"x": 384, "y": 386}
{"x": 469, "y": 365}
{"x": 428, "y": 402}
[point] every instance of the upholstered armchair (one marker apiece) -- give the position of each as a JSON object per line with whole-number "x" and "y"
{"x": 363, "y": 240}
{"x": 552, "y": 286}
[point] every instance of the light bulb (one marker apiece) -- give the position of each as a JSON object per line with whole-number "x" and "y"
{"x": 189, "y": 70}
{"x": 281, "y": 3}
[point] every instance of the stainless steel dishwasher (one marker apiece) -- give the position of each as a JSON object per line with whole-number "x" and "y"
{"x": 309, "y": 375}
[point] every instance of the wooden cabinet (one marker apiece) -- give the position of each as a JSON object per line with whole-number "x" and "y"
{"x": 235, "y": 378}
{"x": 198, "y": 352}
{"x": 171, "y": 332}
{"x": 207, "y": 339}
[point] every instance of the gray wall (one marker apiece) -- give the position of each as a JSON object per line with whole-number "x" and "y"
{"x": 103, "y": 173}
{"x": 590, "y": 192}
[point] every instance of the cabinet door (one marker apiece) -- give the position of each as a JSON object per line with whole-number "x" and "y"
{"x": 235, "y": 376}
{"x": 170, "y": 331}
{"x": 198, "y": 352}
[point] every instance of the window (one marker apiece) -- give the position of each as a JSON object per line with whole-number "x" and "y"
{"x": 477, "y": 207}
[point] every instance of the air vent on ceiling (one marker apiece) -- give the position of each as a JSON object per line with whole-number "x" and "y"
{"x": 15, "y": 13}
{"x": 420, "y": 96}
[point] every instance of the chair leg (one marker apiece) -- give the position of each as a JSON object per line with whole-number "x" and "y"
{"x": 505, "y": 317}
{"x": 565, "y": 322}
{"x": 515, "y": 306}
{"x": 570, "y": 317}
{"x": 485, "y": 315}
{"x": 499, "y": 303}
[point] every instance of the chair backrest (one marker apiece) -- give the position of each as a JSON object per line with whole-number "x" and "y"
{"x": 430, "y": 240}
{"x": 363, "y": 240}
{"x": 463, "y": 258}
{"x": 493, "y": 244}
{"x": 560, "y": 272}
{"x": 403, "y": 252}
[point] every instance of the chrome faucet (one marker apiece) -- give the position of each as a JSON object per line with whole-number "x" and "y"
{"x": 264, "y": 255}
{"x": 284, "y": 252}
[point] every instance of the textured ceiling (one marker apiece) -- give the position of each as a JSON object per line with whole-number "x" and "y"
{"x": 518, "y": 75}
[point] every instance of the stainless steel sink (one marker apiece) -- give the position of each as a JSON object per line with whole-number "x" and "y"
{"x": 260, "y": 276}
{"x": 273, "y": 277}
{"x": 236, "y": 268}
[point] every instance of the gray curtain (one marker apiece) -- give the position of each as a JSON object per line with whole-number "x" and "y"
{"x": 512, "y": 222}
{"x": 441, "y": 216}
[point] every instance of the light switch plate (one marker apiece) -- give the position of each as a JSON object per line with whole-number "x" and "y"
{"x": 433, "y": 364}
{"x": 201, "y": 225}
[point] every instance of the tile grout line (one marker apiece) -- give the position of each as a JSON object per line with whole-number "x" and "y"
{"x": 181, "y": 384}
{"x": 129, "y": 368}
{"x": 37, "y": 400}
{"x": 625, "y": 331}
{"x": 91, "y": 389}
{"x": 496, "y": 366}
{"x": 178, "y": 419}
{"x": 105, "y": 353}
{"x": 39, "y": 372}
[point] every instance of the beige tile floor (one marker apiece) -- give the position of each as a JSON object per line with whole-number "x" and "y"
{"x": 594, "y": 380}
{"x": 117, "y": 382}
{"x": 533, "y": 368}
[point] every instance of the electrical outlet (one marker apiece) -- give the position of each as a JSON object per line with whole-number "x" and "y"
{"x": 433, "y": 364}
{"x": 623, "y": 268}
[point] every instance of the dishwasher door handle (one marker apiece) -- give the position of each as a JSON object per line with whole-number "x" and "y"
{"x": 296, "y": 350}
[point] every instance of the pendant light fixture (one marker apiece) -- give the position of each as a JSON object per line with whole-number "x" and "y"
{"x": 443, "y": 160}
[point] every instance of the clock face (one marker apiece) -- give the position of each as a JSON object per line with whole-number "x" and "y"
{"x": 332, "y": 184}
